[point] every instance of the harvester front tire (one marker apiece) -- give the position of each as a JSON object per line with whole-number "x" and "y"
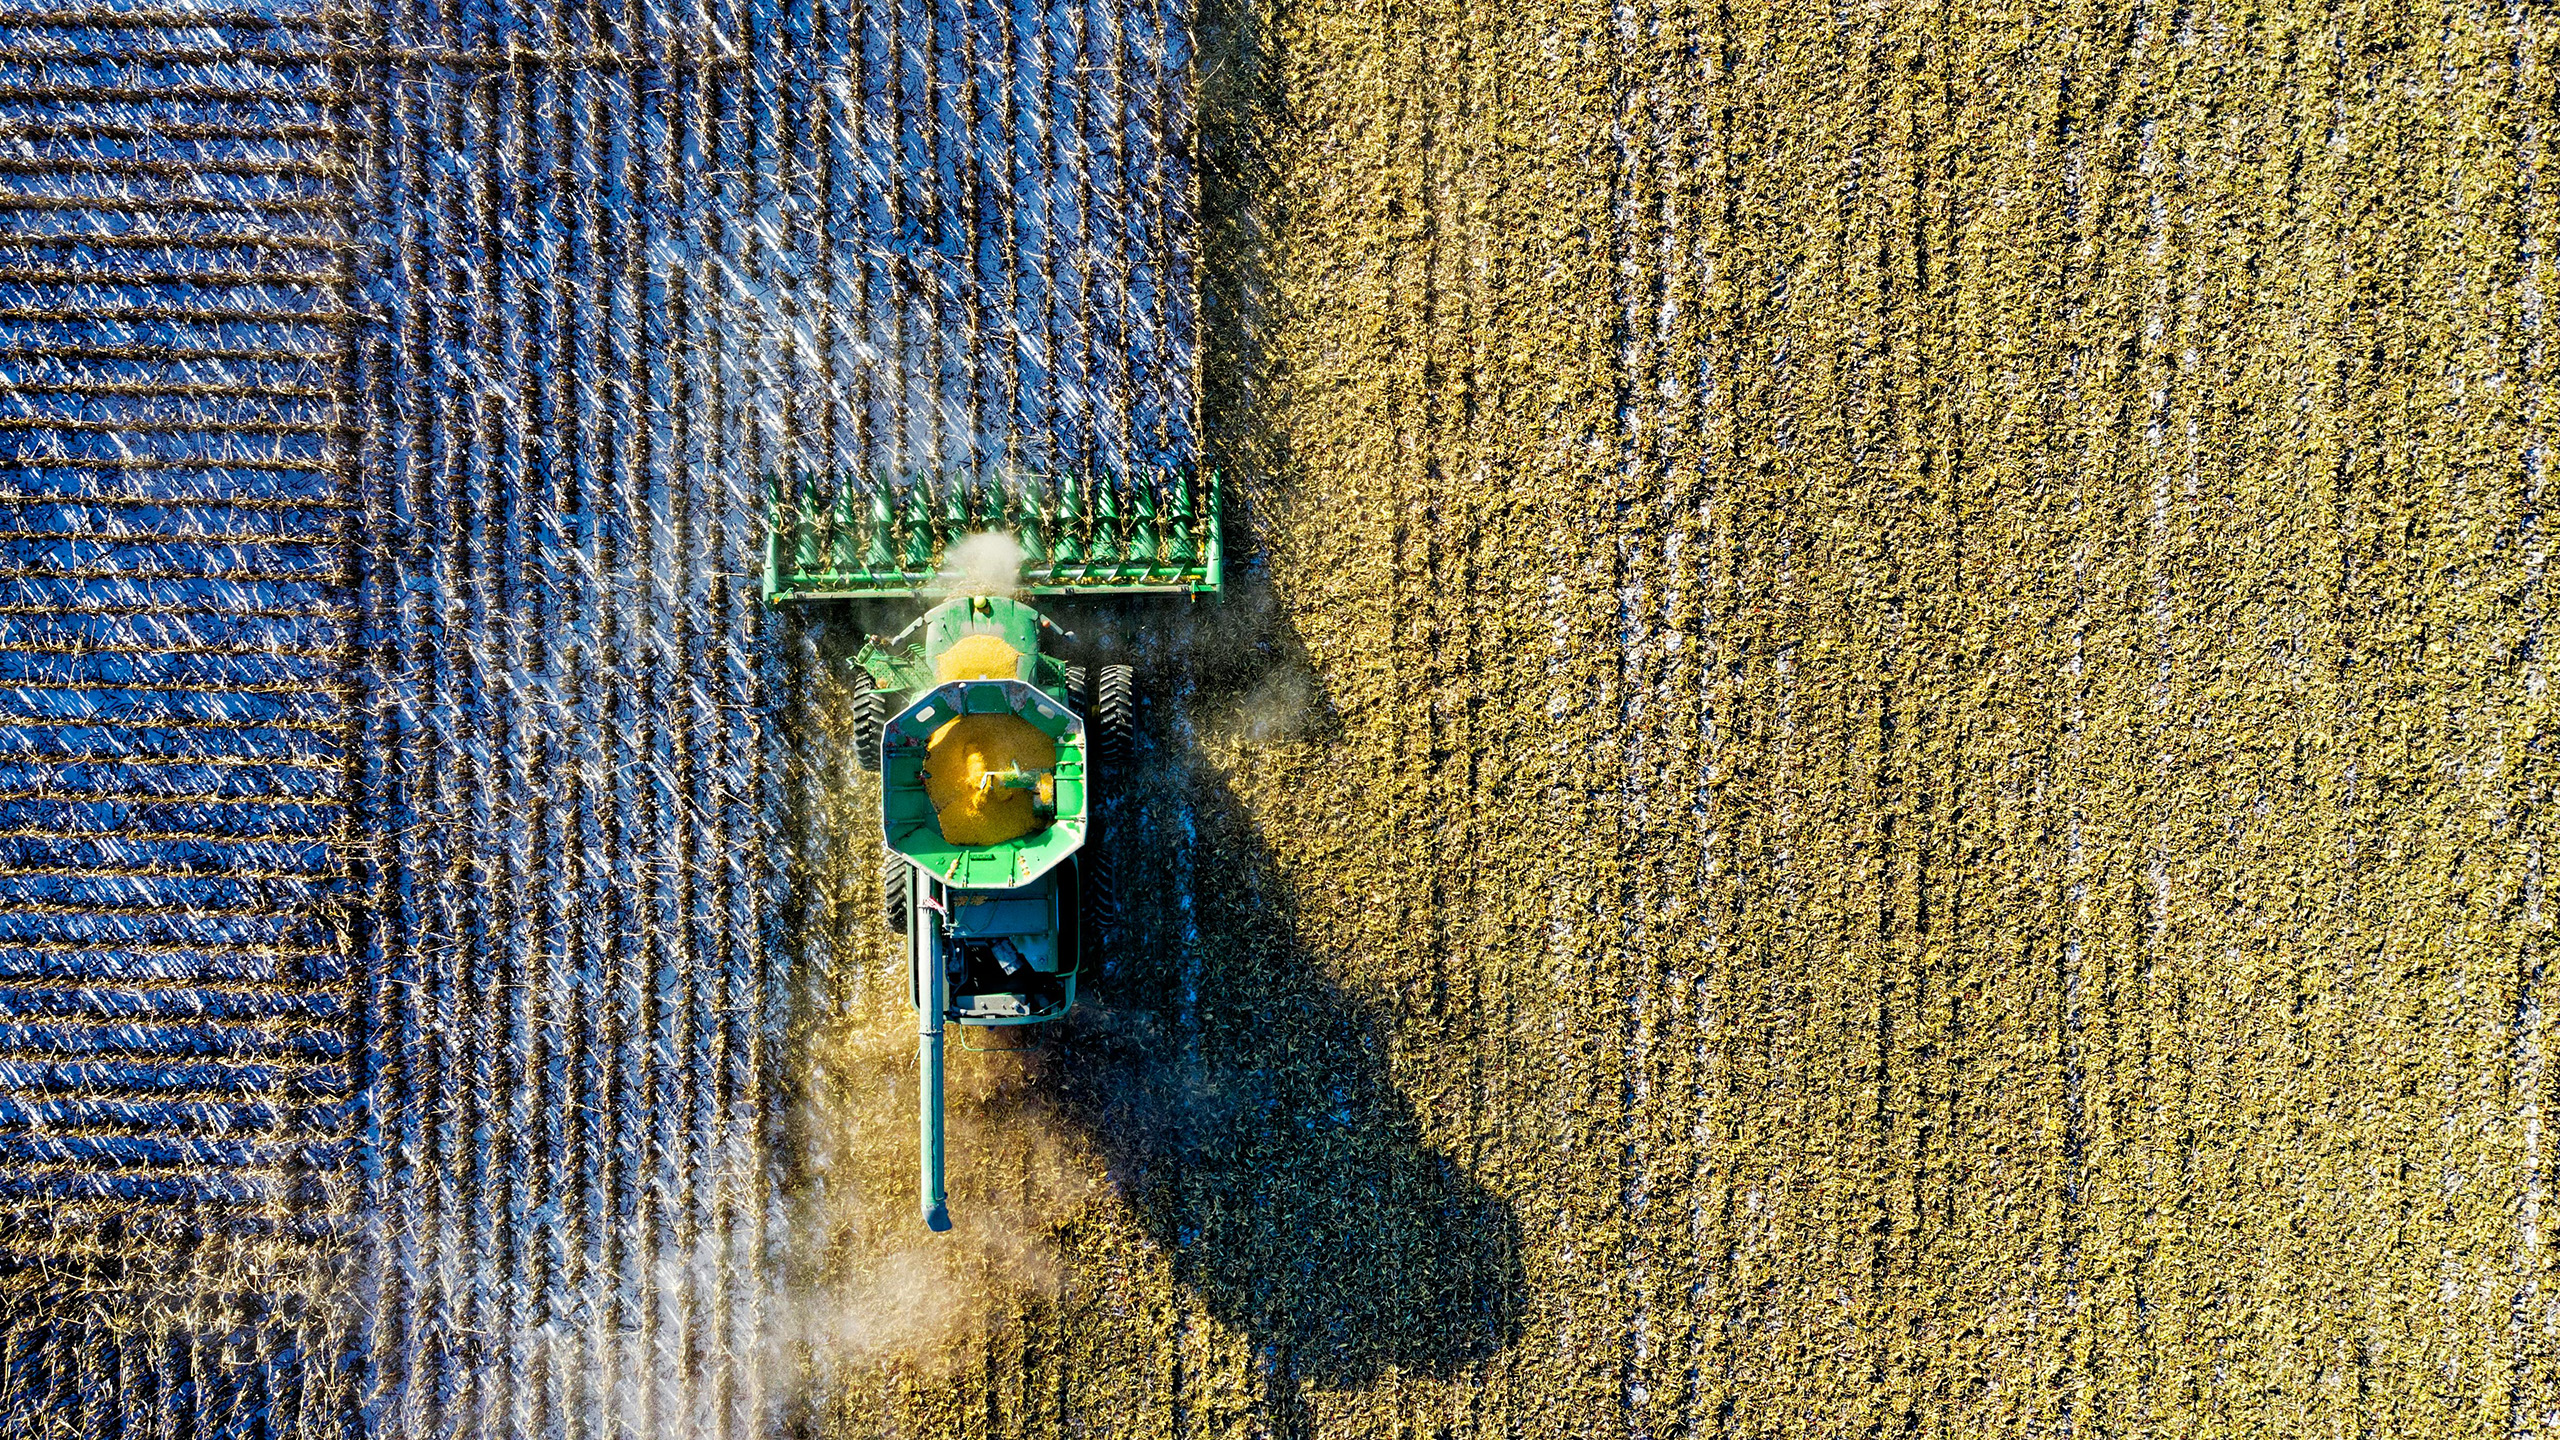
{"x": 867, "y": 721}
{"x": 1115, "y": 724}
{"x": 1115, "y": 721}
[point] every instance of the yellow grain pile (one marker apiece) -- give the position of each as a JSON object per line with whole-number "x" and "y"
{"x": 958, "y": 760}
{"x": 976, "y": 657}
{"x": 964, "y": 752}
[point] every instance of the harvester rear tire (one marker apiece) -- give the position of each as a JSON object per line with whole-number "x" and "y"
{"x": 867, "y": 721}
{"x": 894, "y": 883}
{"x": 1101, "y": 900}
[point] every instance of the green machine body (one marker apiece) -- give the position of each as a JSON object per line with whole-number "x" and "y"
{"x": 995, "y": 929}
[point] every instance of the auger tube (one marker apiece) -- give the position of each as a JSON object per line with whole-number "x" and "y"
{"x": 931, "y": 1000}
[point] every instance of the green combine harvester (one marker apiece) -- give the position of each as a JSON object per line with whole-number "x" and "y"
{"x": 990, "y": 744}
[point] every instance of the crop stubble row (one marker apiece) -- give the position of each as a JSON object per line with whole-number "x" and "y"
{"x": 1931, "y": 626}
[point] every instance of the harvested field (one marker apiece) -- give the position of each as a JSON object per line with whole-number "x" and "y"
{"x": 1879, "y": 761}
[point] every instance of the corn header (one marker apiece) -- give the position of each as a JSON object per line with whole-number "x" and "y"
{"x": 1080, "y": 535}
{"x": 993, "y": 745}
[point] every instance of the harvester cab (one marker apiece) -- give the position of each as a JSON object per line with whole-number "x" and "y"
{"x": 990, "y": 745}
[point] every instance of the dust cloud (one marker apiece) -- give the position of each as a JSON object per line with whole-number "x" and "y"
{"x": 861, "y": 1282}
{"x": 1282, "y": 705}
{"x": 987, "y": 563}
{"x": 843, "y": 1284}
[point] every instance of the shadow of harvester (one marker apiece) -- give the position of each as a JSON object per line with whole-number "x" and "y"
{"x": 1242, "y": 1102}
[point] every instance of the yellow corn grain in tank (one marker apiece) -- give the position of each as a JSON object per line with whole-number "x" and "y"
{"x": 957, "y": 763}
{"x": 976, "y": 657}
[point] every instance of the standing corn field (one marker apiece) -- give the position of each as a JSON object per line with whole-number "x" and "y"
{"x": 411, "y": 1063}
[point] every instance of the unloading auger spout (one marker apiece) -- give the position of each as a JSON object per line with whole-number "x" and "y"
{"x": 933, "y": 997}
